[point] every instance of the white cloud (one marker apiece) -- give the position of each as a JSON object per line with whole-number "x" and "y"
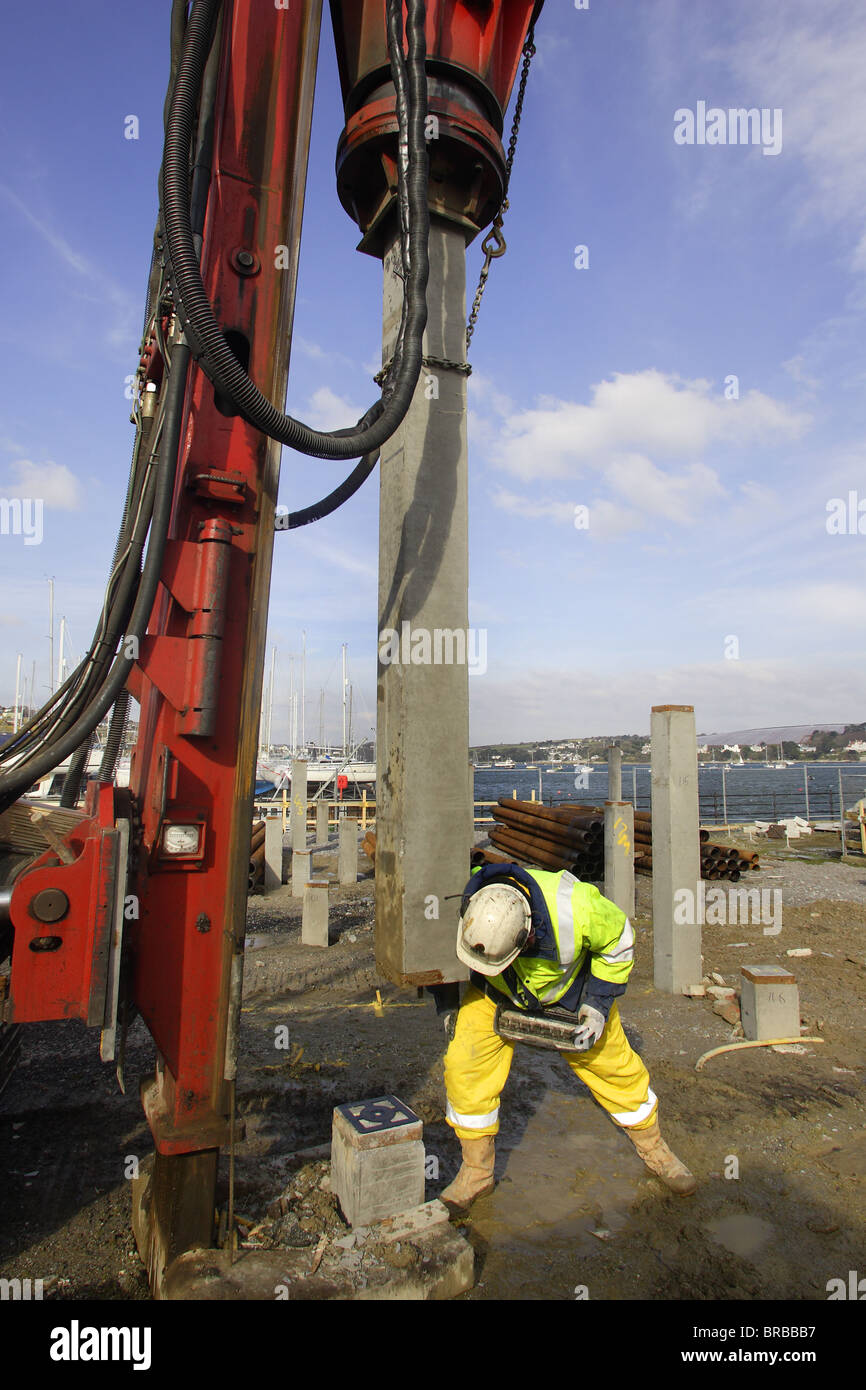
{"x": 527, "y": 507}
{"x": 56, "y": 484}
{"x": 590, "y": 698}
{"x": 648, "y": 412}
{"x": 676, "y": 497}
{"x": 328, "y": 411}
{"x": 808, "y": 59}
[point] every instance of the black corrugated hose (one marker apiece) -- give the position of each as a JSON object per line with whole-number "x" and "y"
{"x": 210, "y": 348}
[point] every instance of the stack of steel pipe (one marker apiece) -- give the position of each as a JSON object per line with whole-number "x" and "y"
{"x": 553, "y": 837}
{"x": 717, "y": 861}
{"x": 257, "y": 854}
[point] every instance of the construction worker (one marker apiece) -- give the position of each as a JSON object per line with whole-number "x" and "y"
{"x": 532, "y": 940}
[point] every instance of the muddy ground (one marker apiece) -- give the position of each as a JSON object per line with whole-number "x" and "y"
{"x": 778, "y": 1140}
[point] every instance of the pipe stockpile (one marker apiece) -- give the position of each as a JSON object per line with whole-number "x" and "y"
{"x": 572, "y": 837}
{"x": 257, "y": 853}
{"x": 561, "y": 837}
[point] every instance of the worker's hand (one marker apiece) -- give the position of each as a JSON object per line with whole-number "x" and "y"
{"x": 592, "y": 1026}
{"x": 450, "y": 1021}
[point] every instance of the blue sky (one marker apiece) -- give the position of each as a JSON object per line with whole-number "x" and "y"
{"x": 601, "y": 387}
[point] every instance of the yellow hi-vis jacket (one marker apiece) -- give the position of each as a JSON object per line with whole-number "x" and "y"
{"x": 584, "y": 946}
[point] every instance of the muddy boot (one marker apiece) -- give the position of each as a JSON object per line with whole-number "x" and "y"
{"x": 475, "y": 1178}
{"x": 661, "y": 1160}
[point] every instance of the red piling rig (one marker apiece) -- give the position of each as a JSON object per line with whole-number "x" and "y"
{"x": 473, "y": 49}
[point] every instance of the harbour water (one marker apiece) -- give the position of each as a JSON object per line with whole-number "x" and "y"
{"x": 746, "y": 793}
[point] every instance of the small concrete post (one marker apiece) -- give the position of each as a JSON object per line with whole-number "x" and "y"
{"x": 347, "y": 860}
{"x": 769, "y": 1003}
{"x": 676, "y": 848}
{"x": 377, "y": 1159}
{"x": 619, "y": 855}
{"x": 314, "y": 919}
{"x": 273, "y": 853}
{"x": 299, "y": 803}
{"x": 614, "y": 773}
{"x": 300, "y": 871}
{"x": 322, "y": 832}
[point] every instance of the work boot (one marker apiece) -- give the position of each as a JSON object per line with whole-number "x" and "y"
{"x": 475, "y": 1178}
{"x": 661, "y": 1160}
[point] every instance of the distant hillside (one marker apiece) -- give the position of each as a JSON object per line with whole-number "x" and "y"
{"x": 777, "y": 733}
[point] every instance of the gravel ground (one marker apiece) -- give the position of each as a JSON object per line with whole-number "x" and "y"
{"x": 573, "y": 1204}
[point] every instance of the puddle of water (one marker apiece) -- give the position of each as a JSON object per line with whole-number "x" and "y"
{"x": 253, "y": 943}
{"x": 742, "y": 1234}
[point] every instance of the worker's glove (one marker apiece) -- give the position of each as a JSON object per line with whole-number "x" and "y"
{"x": 592, "y": 1026}
{"x": 450, "y": 1021}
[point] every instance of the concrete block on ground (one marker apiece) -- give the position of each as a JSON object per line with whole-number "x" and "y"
{"x": 347, "y": 863}
{"x": 445, "y": 1268}
{"x": 377, "y": 1159}
{"x": 273, "y": 853}
{"x": 301, "y": 860}
{"x": 769, "y": 1003}
{"x": 314, "y": 919}
{"x": 408, "y": 1225}
{"x": 322, "y": 830}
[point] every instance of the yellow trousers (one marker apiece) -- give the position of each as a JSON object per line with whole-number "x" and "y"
{"x": 478, "y": 1061}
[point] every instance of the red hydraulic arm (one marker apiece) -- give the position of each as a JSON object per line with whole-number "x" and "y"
{"x": 156, "y": 877}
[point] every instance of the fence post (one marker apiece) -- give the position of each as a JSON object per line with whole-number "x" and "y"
{"x": 806, "y": 789}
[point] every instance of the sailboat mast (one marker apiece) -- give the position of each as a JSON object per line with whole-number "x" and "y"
{"x": 51, "y": 637}
{"x": 271, "y": 695}
{"x": 17, "y": 692}
{"x": 344, "y": 699}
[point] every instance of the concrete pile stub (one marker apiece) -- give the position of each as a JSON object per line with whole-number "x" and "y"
{"x": 347, "y": 859}
{"x": 314, "y": 918}
{"x": 301, "y": 864}
{"x": 769, "y": 1003}
{"x": 377, "y": 1159}
{"x": 273, "y": 853}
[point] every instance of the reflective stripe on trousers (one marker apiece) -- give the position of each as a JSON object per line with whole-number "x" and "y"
{"x": 455, "y": 1118}
{"x": 478, "y": 1061}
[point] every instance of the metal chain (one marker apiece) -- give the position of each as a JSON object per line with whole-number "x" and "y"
{"x": 493, "y": 244}
{"x": 446, "y": 363}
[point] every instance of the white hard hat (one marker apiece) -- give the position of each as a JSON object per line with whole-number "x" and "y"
{"x": 494, "y": 928}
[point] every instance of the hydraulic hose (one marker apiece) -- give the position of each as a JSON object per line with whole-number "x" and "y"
{"x": 16, "y": 781}
{"x": 335, "y": 499}
{"x": 210, "y": 348}
{"x": 75, "y": 775}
